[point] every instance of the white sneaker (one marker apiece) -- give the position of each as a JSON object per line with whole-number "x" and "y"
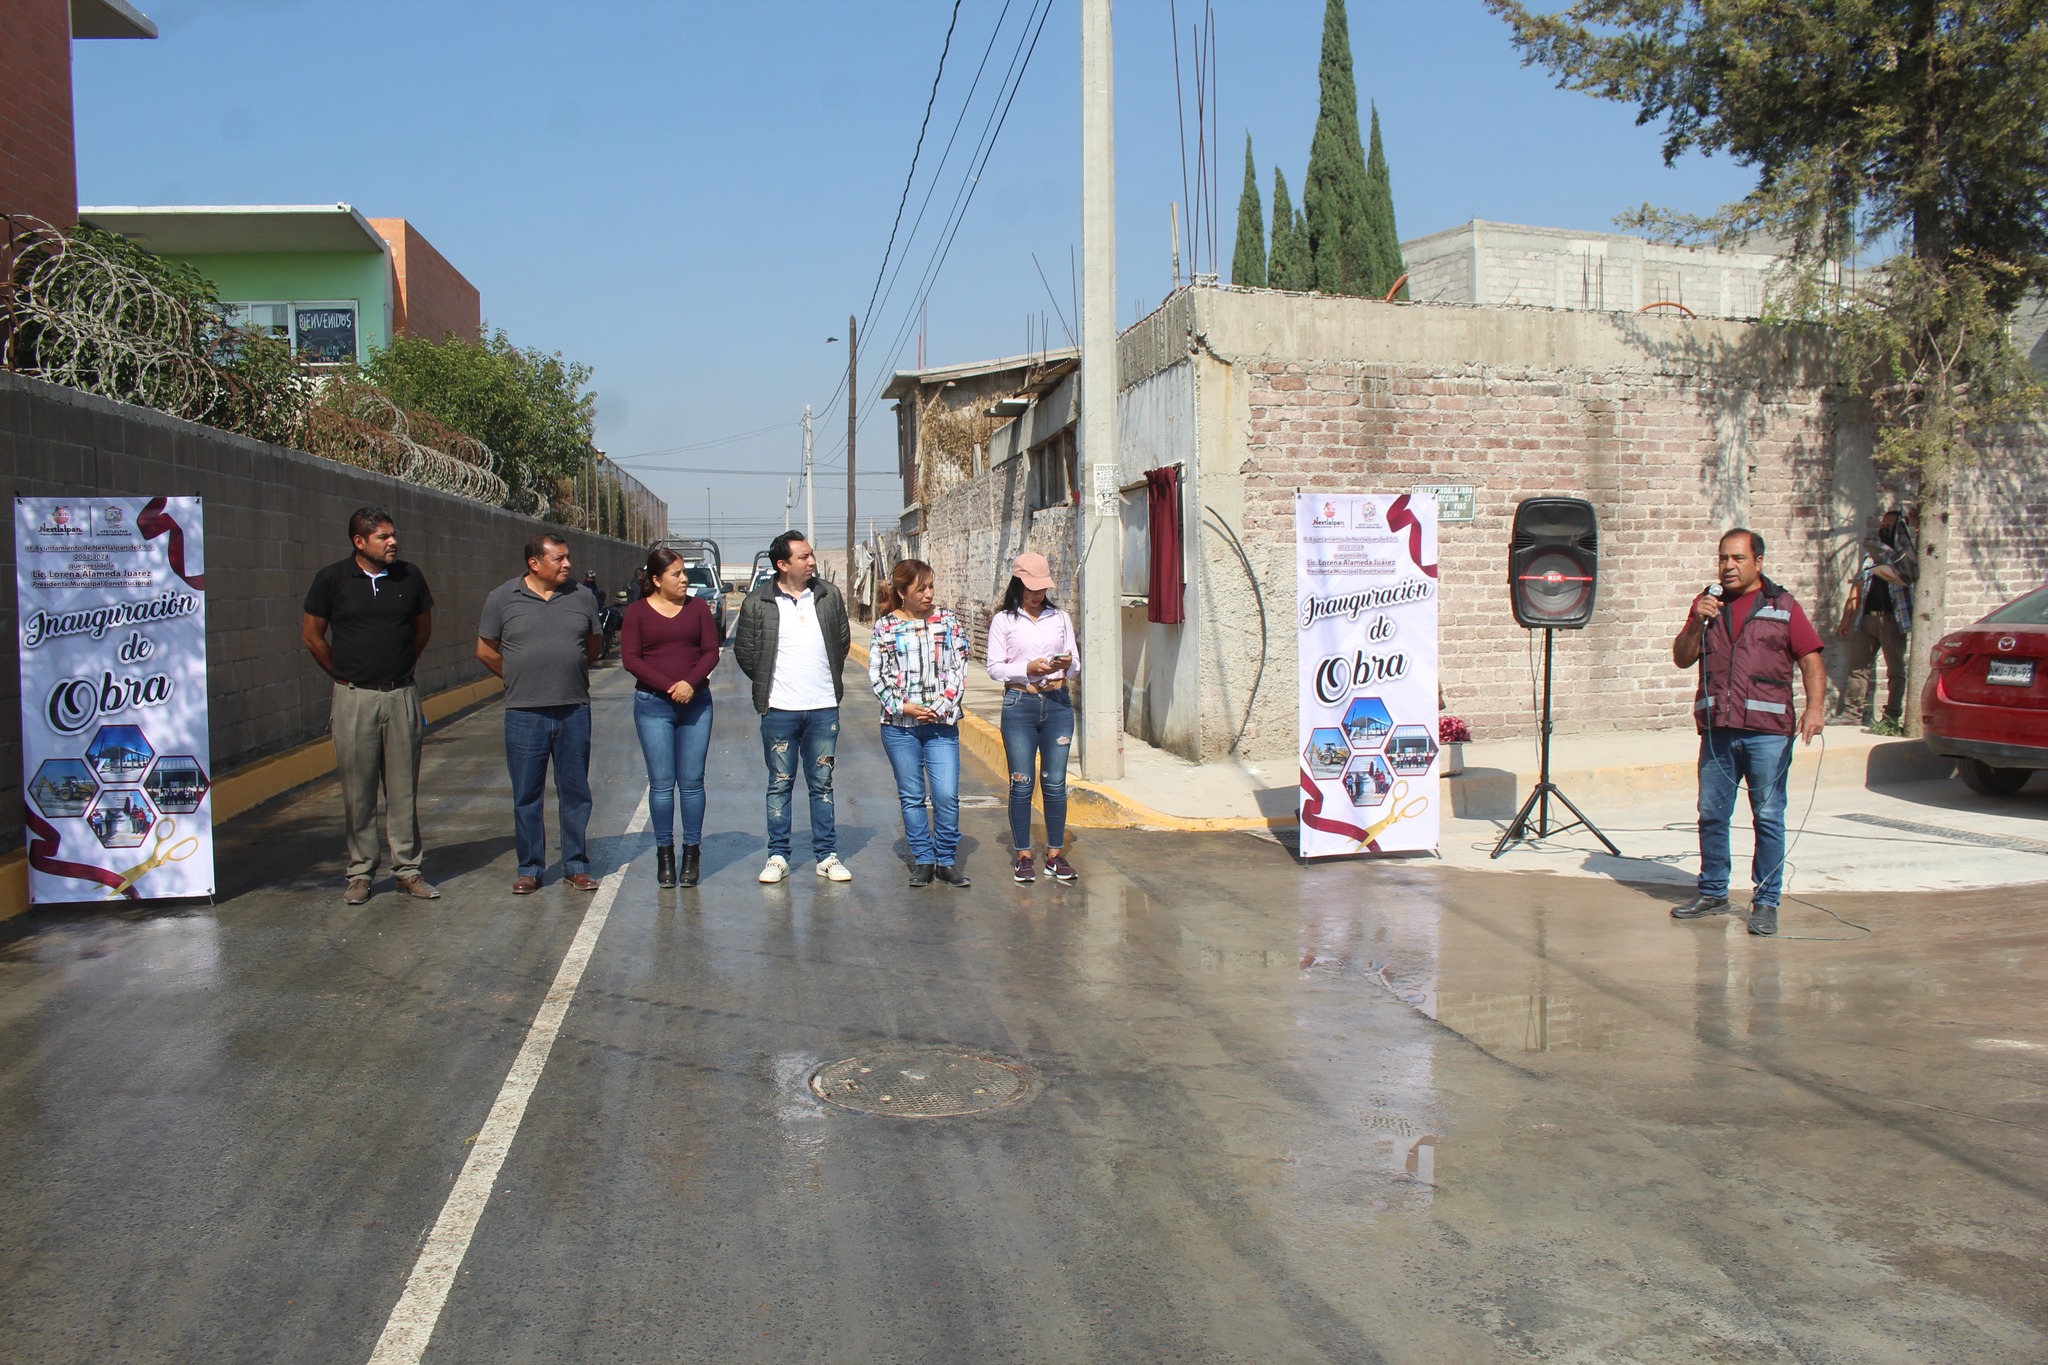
{"x": 830, "y": 866}
{"x": 777, "y": 869}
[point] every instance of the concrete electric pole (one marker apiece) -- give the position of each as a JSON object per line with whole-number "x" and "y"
{"x": 852, "y": 421}
{"x": 1101, "y": 520}
{"x": 810, "y": 504}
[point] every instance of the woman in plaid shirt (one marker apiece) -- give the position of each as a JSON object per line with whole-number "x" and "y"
{"x": 917, "y": 664}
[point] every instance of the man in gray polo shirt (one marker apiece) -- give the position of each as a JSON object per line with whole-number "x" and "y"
{"x": 540, "y": 633}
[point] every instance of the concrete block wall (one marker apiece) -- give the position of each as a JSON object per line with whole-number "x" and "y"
{"x": 972, "y": 533}
{"x": 273, "y": 518}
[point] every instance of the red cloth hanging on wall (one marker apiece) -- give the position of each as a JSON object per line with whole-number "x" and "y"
{"x": 1166, "y": 601}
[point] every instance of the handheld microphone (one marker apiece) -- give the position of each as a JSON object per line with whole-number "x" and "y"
{"x": 1714, "y": 590}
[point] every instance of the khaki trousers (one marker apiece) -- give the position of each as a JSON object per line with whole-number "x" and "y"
{"x": 377, "y": 737}
{"x": 1880, "y": 634}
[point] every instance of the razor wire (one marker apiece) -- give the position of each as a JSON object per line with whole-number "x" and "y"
{"x": 75, "y": 315}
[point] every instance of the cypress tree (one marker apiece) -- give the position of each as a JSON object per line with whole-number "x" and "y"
{"x": 1386, "y": 241}
{"x": 1334, "y": 199}
{"x": 1248, "y": 261}
{"x": 1290, "y": 267}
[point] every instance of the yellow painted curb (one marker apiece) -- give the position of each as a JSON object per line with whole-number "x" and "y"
{"x": 248, "y": 787}
{"x": 1091, "y": 805}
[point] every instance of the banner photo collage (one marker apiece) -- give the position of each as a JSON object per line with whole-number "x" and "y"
{"x": 1366, "y": 579}
{"x": 115, "y": 760}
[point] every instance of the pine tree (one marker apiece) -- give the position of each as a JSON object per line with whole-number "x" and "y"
{"x": 1379, "y": 203}
{"x": 1290, "y": 267}
{"x": 1334, "y": 199}
{"x": 1248, "y": 261}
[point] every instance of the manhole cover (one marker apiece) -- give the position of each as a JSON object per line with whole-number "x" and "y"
{"x": 922, "y": 1085}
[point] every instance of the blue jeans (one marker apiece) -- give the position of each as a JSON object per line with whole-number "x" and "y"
{"x": 1038, "y": 735}
{"x": 533, "y": 735}
{"x": 674, "y": 738}
{"x": 916, "y": 751}
{"x": 812, "y": 738}
{"x": 1728, "y": 758}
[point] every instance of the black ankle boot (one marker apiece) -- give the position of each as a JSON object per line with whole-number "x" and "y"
{"x": 665, "y": 865}
{"x": 693, "y": 862}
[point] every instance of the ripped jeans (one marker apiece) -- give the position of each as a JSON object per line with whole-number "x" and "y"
{"x": 1038, "y": 735}
{"x": 812, "y": 738}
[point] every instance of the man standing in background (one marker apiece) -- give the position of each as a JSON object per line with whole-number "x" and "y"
{"x": 540, "y": 633}
{"x": 367, "y": 621}
{"x": 1878, "y": 618}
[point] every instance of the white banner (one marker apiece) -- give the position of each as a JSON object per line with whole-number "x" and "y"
{"x": 114, "y": 756}
{"x": 1365, "y": 575}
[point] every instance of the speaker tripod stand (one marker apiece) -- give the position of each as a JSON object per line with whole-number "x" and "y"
{"x": 1539, "y": 800}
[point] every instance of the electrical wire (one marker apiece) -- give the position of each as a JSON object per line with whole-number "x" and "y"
{"x": 1258, "y": 597}
{"x": 915, "y": 152}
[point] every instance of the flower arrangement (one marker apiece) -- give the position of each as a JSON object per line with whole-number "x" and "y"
{"x": 1451, "y": 730}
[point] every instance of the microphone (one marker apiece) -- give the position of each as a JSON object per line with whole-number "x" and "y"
{"x": 1714, "y": 590}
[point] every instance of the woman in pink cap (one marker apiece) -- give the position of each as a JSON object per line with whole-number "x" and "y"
{"x": 1031, "y": 652}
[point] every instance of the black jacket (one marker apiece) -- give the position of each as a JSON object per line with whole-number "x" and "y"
{"x": 759, "y": 631}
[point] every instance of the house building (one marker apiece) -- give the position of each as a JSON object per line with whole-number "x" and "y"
{"x": 1505, "y": 265}
{"x": 38, "y": 148}
{"x": 333, "y": 284}
{"x": 1675, "y": 428}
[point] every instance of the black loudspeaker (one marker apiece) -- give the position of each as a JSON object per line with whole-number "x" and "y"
{"x": 1554, "y": 563}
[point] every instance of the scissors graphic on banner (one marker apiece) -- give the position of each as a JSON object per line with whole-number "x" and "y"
{"x": 158, "y": 856}
{"x": 1396, "y": 811}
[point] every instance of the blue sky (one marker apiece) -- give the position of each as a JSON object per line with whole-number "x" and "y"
{"x": 691, "y": 197}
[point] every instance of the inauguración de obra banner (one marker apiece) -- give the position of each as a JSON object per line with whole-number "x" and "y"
{"x": 1365, "y": 572}
{"x": 114, "y": 756}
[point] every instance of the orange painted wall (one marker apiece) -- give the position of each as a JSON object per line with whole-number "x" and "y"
{"x": 431, "y": 298}
{"x": 38, "y": 159}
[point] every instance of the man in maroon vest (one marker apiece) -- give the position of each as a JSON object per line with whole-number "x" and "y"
{"x": 1747, "y": 634}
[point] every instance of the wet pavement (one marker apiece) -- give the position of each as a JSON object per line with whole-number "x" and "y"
{"x": 1355, "y": 1112}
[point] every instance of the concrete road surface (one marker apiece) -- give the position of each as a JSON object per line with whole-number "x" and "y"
{"x": 1353, "y": 1112}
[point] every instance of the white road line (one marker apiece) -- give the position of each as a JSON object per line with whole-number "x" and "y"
{"x": 412, "y": 1321}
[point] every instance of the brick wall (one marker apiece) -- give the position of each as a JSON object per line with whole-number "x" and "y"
{"x": 1674, "y": 430}
{"x": 429, "y": 298}
{"x": 38, "y": 158}
{"x": 273, "y": 517}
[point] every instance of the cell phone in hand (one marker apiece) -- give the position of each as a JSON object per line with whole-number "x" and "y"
{"x": 1060, "y": 659}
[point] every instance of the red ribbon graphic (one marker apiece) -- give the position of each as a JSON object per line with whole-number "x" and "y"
{"x": 156, "y": 521}
{"x": 42, "y": 856}
{"x": 1400, "y": 518}
{"x": 1312, "y": 816}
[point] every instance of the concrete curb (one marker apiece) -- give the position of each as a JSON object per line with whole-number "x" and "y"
{"x": 248, "y": 787}
{"x": 1091, "y": 805}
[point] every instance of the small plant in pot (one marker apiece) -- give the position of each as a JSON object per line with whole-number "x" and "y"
{"x": 1452, "y": 735}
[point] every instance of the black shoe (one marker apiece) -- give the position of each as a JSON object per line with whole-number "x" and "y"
{"x": 1025, "y": 872}
{"x": 952, "y": 876}
{"x": 693, "y": 864}
{"x": 1701, "y": 906}
{"x": 920, "y": 874}
{"x": 1763, "y": 920}
{"x": 665, "y": 865}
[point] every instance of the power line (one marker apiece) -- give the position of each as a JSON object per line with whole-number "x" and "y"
{"x": 915, "y": 152}
{"x": 704, "y": 445}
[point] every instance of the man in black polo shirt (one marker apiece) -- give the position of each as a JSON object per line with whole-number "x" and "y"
{"x": 540, "y": 633}
{"x": 367, "y": 622}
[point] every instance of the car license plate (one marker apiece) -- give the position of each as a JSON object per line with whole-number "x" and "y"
{"x": 2010, "y": 672}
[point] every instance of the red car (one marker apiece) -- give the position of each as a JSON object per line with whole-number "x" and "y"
{"x": 1986, "y": 705}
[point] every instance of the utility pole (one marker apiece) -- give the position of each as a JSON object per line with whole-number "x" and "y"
{"x": 788, "y": 492}
{"x": 810, "y": 503}
{"x": 1101, "y": 521}
{"x": 852, "y": 421}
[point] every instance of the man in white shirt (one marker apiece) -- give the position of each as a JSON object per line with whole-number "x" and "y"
{"x": 791, "y": 641}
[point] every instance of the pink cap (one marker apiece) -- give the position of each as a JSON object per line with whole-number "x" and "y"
{"x": 1032, "y": 571}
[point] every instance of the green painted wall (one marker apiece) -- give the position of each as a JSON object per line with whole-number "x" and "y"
{"x": 273, "y": 277}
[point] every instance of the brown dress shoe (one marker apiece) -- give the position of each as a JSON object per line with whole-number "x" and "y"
{"x": 419, "y": 887}
{"x": 582, "y": 881}
{"x": 356, "y": 892}
{"x": 525, "y": 886}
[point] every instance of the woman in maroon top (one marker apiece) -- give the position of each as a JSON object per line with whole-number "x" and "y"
{"x": 670, "y": 645}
